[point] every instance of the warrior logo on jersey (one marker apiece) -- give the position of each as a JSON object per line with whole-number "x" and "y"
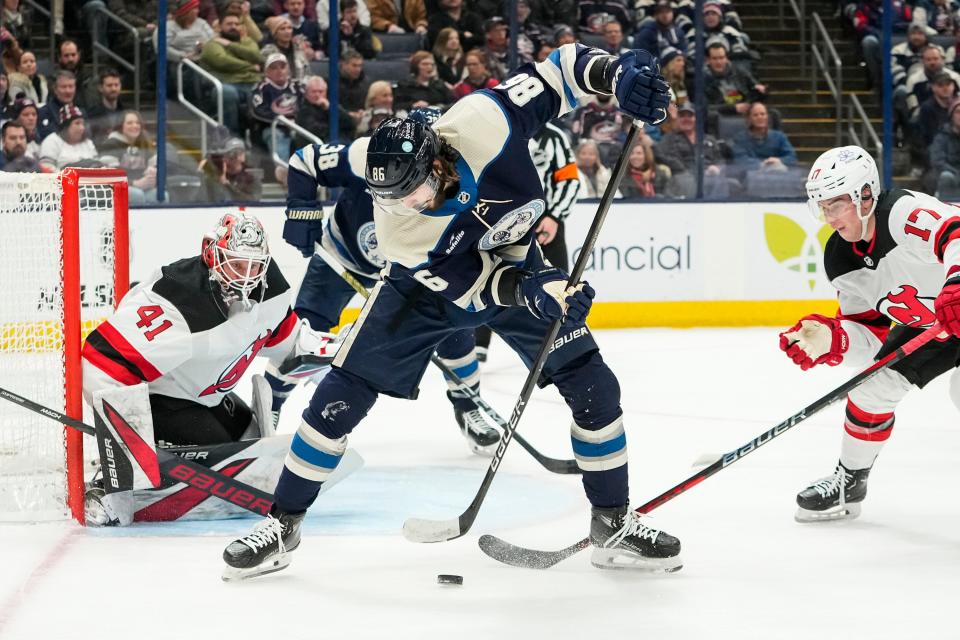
{"x": 367, "y": 241}
{"x": 906, "y": 308}
{"x": 463, "y": 197}
{"x": 235, "y": 370}
{"x": 512, "y": 226}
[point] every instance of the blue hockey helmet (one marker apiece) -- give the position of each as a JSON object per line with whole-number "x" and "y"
{"x": 400, "y": 163}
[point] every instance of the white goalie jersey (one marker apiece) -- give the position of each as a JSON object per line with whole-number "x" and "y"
{"x": 175, "y": 333}
{"x": 898, "y": 274}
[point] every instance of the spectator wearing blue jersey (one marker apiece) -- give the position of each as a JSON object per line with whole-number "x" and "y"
{"x": 760, "y": 147}
{"x": 661, "y": 32}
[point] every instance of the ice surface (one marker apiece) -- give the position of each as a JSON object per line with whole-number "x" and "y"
{"x": 750, "y": 570}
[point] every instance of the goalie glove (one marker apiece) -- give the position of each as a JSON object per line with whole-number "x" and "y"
{"x": 546, "y": 295}
{"x": 947, "y": 306}
{"x": 312, "y": 355}
{"x": 814, "y": 340}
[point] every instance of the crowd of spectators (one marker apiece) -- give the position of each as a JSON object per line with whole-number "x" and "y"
{"x": 270, "y": 57}
{"x": 926, "y": 82}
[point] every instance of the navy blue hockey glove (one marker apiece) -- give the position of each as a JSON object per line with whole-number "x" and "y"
{"x": 546, "y": 295}
{"x": 640, "y": 89}
{"x": 303, "y": 234}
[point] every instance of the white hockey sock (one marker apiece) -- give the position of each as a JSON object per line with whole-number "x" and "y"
{"x": 859, "y": 454}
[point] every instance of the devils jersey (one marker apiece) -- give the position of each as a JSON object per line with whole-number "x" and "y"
{"x": 461, "y": 249}
{"x": 898, "y": 274}
{"x": 175, "y": 333}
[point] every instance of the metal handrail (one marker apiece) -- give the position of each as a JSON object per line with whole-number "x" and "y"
{"x": 120, "y": 60}
{"x": 835, "y": 85}
{"x": 799, "y": 10}
{"x": 48, "y": 13}
{"x": 322, "y": 193}
{"x": 205, "y": 117}
{"x": 293, "y": 126}
{"x": 857, "y": 116}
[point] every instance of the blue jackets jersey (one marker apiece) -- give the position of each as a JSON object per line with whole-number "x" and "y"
{"x": 461, "y": 249}
{"x": 349, "y": 233}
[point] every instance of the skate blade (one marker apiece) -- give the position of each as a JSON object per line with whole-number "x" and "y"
{"x": 848, "y": 512}
{"x": 276, "y": 563}
{"x": 484, "y": 452}
{"x": 616, "y": 560}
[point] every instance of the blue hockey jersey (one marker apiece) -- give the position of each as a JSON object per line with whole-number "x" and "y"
{"x": 349, "y": 233}
{"x": 461, "y": 249}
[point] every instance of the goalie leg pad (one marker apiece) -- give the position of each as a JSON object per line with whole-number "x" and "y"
{"x": 592, "y": 392}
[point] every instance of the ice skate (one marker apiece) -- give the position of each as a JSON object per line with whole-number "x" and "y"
{"x": 481, "y": 437}
{"x": 266, "y": 549}
{"x": 822, "y": 500}
{"x": 621, "y": 540}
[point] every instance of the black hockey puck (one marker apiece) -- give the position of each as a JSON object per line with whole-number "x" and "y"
{"x": 447, "y": 578}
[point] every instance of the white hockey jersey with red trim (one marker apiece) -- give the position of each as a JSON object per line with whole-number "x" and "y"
{"x": 175, "y": 333}
{"x": 897, "y": 275}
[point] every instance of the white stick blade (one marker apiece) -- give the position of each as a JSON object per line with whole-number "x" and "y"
{"x": 421, "y": 530}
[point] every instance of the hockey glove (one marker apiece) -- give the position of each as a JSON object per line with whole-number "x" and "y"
{"x": 546, "y": 295}
{"x": 947, "y": 306}
{"x": 303, "y": 234}
{"x": 815, "y": 340}
{"x": 640, "y": 89}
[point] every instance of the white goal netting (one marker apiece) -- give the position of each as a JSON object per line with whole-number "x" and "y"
{"x": 32, "y": 447}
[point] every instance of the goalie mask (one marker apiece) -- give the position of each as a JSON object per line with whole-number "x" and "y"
{"x": 843, "y": 171}
{"x": 237, "y": 255}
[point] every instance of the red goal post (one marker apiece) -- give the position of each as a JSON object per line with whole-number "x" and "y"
{"x": 64, "y": 265}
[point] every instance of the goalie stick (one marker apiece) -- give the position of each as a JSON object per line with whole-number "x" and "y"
{"x": 550, "y": 464}
{"x": 171, "y": 465}
{"x": 517, "y": 556}
{"x": 423, "y": 530}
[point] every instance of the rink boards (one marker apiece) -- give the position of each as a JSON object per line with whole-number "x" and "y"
{"x": 669, "y": 264}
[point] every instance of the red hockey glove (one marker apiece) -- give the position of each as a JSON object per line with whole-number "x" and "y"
{"x": 947, "y": 306}
{"x": 816, "y": 340}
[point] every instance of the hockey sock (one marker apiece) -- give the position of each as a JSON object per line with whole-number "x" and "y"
{"x": 864, "y": 435}
{"x": 457, "y": 353}
{"x": 340, "y": 402}
{"x": 870, "y": 418}
{"x": 281, "y": 391}
{"x": 599, "y": 442}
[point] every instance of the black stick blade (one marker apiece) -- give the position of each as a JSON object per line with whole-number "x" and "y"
{"x": 503, "y": 551}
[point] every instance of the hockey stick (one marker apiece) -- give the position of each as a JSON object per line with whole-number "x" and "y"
{"x": 517, "y": 556}
{"x": 423, "y": 530}
{"x": 172, "y": 466}
{"x": 550, "y": 464}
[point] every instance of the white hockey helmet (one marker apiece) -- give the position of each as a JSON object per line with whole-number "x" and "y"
{"x": 843, "y": 171}
{"x": 237, "y": 255}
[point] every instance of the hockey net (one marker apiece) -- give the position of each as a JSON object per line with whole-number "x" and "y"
{"x": 63, "y": 265}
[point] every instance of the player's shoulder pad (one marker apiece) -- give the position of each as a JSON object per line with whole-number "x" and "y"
{"x": 477, "y": 127}
{"x": 186, "y": 285}
{"x": 357, "y": 156}
{"x": 277, "y": 285}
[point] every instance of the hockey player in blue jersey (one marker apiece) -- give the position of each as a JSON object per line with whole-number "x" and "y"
{"x": 350, "y": 235}
{"x": 455, "y": 209}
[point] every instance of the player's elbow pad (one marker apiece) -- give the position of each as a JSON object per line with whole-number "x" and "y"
{"x": 505, "y": 287}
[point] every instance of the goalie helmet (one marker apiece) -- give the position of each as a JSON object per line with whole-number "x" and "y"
{"x": 844, "y": 171}
{"x": 237, "y": 255}
{"x": 400, "y": 165}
